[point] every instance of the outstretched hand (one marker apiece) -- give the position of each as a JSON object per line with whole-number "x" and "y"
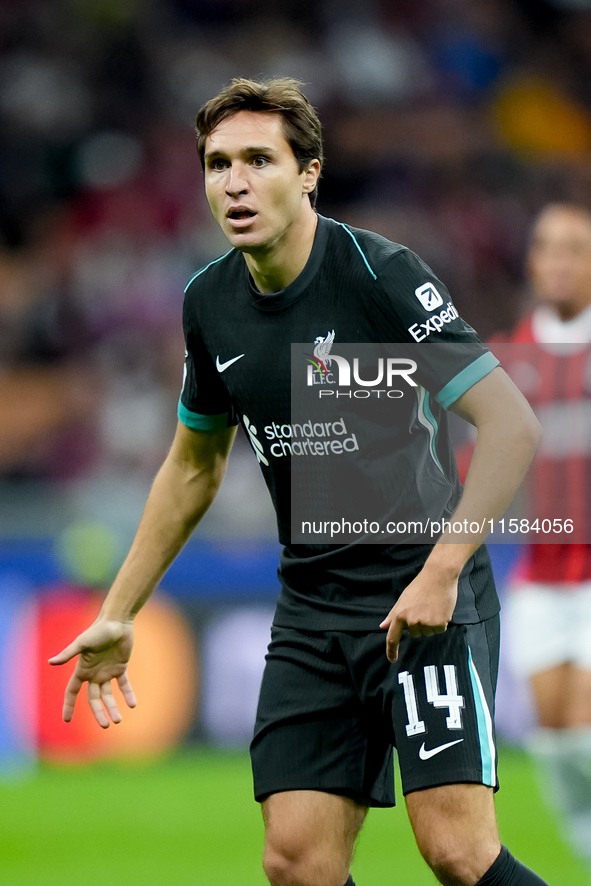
{"x": 103, "y": 652}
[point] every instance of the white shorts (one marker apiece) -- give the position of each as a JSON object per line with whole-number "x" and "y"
{"x": 548, "y": 625}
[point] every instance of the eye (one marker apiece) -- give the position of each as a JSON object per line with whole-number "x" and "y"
{"x": 217, "y": 164}
{"x": 259, "y": 160}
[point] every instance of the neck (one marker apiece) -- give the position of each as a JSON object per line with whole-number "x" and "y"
{"x": 278, "y": 265}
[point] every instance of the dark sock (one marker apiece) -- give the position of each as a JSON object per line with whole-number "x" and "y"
{"x": 507, "y": 871}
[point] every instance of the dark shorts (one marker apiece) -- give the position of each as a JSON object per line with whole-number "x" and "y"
{"x": 332, "y": 708}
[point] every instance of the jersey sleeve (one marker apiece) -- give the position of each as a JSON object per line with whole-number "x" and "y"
{"x": 204, "y": 404}
{"x": 420, "y": 313}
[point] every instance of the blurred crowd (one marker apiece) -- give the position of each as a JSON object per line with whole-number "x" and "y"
{"x": 448, "y": 124}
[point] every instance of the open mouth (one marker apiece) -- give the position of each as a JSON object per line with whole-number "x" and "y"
{"x": 241, "y": 214}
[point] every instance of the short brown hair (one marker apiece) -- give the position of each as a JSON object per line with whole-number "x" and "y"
{"x": 281, "y": 95}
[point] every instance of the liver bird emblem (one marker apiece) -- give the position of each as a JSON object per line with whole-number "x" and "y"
{"x": 320, "y": 358}
{"x": 322, "y": 347}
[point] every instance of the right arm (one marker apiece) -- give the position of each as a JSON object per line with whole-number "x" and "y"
{"x": 184, "y": 488}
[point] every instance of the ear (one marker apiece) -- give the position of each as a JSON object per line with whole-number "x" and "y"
{"x": 311, "y": 176}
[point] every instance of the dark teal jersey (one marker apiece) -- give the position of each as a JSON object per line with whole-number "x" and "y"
{"x": 357, "y": 287}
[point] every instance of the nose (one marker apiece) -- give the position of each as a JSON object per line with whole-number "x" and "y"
{"x": 237, "y": 181}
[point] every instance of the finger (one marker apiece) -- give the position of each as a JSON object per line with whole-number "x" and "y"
{"x": 420, "y": 630}
{"x": 66, "y": 654}
{"x": 440, "y": 629}
{"x": 71, "y": 694}
{"x": 128, "y": 693}
{"x": 96, "y": 705}
{"x": 109, "y": 702}
{"x": 387, "y": 621}
{"x": 417, "y": 631}
{"x": 393, "y": 639}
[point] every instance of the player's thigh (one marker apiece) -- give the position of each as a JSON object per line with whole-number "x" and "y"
{"x": 313, "y": 831}
{"x": 313, "y": 731}
{"x": 443, "y": 707}
{"x": 551, "y": 689}
{"x": 548, "y": 625}
{"x": 579, "y": 713}
{"x": 579, "y": 697}
{"x": 455, "y": 829}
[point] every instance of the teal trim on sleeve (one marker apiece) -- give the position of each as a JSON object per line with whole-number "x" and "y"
{"x": 359, "y": 249}
{"x": 200, "y": 422}
{"x": 464, "y": 380}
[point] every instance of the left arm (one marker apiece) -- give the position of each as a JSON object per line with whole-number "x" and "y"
{"x": 508, "y": 434}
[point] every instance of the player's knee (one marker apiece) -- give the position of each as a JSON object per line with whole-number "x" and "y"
{"x": 293, "y": 866}
{"x": 454, "y": 865}
{"x": 284, "y": 862}
{"x": 279, "y": 868}
{"x": 282, "y": 870}
{"x": 449, "y": 867}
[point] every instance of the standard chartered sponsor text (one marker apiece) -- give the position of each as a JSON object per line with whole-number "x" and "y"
{"x": 310, "y": 438}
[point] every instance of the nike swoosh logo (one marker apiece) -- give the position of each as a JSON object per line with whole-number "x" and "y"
{"x": 424, "y": 754}
{"x": 221, "y": 367}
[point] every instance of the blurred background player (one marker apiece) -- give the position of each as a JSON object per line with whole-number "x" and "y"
{"x": 550, "y": 604}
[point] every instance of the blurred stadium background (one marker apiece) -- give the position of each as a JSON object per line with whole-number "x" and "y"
{"x": 448, "y": 123}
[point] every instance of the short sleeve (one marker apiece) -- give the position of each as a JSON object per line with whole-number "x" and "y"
{"x": 419, "y": 312}
{"x": 204, "y": 403}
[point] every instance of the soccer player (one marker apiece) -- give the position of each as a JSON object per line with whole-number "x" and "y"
{"x": 373, "y": 646}
{"x": 550, "y": 607}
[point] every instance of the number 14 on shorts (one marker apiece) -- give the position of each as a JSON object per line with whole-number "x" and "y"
{"x": 451, "y": 700}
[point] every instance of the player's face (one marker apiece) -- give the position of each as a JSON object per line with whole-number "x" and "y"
{"x": 252, "y": 182}
{"x": 559, "y": 260}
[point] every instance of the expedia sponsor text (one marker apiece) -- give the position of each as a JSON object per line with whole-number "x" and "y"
{"x": 434, "y": 323}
